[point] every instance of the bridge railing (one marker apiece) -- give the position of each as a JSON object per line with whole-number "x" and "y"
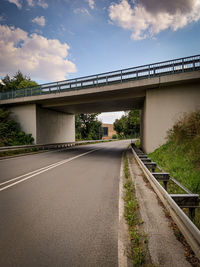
{"x": 142, "y": 72}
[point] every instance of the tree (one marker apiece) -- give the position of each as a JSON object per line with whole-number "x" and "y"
{"x": 18, "y": 81}
{"x": 88, "y": 127}
{"x": 10, "y": 132}
{"x": 128, "y": 125}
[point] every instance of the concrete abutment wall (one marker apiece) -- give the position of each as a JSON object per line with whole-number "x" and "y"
{"x": 162, "y": 108}
{"x": 46, "y": 126}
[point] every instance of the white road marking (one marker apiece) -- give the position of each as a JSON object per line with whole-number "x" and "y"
{"x": 44, "y": 169}
{"x": 122, "y": 258}
{"x": 26, "y": 174}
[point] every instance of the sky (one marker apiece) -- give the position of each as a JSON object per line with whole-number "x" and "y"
{"x": 52, "y": 40}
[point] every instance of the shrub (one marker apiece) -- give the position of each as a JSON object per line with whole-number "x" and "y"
{"x": 10, "y": 132}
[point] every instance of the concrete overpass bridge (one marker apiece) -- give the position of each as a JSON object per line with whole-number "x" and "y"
{"x": 162, "y": 91}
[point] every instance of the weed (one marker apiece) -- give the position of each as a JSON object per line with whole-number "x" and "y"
{"x": 138, "y": 143}
{"x": 126, "y": 169}
{"x": 138, "y": 241}
{"x": 180, "y": 156}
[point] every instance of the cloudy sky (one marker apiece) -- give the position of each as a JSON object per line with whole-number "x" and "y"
{"x": 60, "y": 39}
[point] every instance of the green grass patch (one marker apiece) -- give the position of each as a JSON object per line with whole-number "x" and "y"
{"x": 17, "y": 152}
{"x": 180, "y": 156}
{"x": 138, "y": 241}
{"x": 138, "y": 143}
{"x": 176, "y": 159}
{"x": 126, "y": 169}
{"x": 173, "y": 188}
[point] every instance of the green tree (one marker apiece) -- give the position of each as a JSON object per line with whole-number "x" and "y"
{"x": 10, "y": 132}
{"x": 128, "y": 125}
{"x": 88, "y": 127}
{"x": 120, "y": 126}
{"x": 18, "y": 81}
{"x": 27, "y": 84}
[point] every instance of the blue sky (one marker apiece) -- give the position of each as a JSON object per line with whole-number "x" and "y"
{"x": 60, "y": 39}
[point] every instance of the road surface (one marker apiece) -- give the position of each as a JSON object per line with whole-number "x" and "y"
{"x": 61, "y": 208}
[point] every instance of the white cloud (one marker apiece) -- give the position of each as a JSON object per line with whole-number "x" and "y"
{"x": 39, "y": 20}
{"x": 91, "y": 3}
{"x": 146, "y": 18}
{"x": 110, "y": 117}
{"x": 34, "y": 55}
{"x": 2, "y": 18}
{"x": 81, "y": 11}
{"x": 16, "y": 2}
{"x": 30, "y": 3}
{"x": 42, "y": 3}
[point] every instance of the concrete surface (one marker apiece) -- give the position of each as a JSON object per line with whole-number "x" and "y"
{"x": 46, "y": 126}
{"x": 66, "y": 216}
{"x": 25, "y": 115}
{"x": 162, "y": 108}
{"x": 165, "y": 250}
{"x": 54, "y": 126}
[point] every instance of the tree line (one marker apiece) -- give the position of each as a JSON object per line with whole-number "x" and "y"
{"x": 17, "y": 82}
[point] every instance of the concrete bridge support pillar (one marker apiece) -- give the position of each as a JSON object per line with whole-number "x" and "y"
{"x": 162, "y": 108}
{"x": 46, "y": 126}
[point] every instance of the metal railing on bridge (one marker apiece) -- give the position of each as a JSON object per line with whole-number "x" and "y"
{"x": 142, "y": 72}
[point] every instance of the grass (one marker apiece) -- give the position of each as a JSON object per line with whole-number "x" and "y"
{"x": 138, "y": 143}
{"x": 173, "y": 188}
{"x": 18, "y": 152}
{"x": 175, "y": 160}
{"x": 180, "y": 156}
{"x": 138, "y": 241}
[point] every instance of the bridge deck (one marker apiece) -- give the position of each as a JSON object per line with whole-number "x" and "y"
{"x": 142, "y": 72}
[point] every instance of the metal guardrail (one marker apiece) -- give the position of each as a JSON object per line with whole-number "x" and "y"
{"x": 49, "y": 146}
{"x": 186, "y": 226}
{"x": 141, "y": 72}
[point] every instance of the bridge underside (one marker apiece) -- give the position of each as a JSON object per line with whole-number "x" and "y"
{"x": 50, "y": 117}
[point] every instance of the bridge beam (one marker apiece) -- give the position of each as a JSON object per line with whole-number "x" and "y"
{"x": 46, "y": 126}
{"x": 163, "y": 107}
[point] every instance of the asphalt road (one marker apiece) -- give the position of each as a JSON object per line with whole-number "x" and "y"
{"x": 61, "y": 208}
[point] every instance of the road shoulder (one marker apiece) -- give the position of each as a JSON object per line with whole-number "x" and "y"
{"x": 164, "y": 249}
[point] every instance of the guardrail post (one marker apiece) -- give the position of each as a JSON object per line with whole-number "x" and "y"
{"x": 165, "y": 184}
{"x": 192, "y": 213}
{"x": 182, "y": 65}
{"x": 193, "y": 65}
{"x": 121, "y": 76}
